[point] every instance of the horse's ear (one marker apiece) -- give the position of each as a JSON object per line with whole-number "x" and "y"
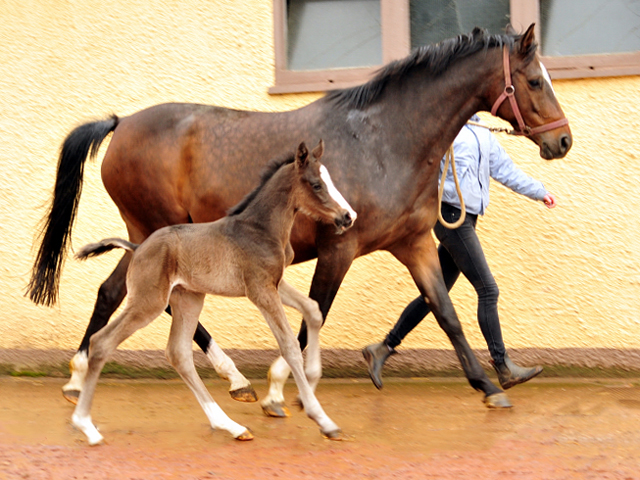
{"x": 509, "y": 30}
{"x": 318, "y": 151}
{"x": 302, "y": 155}
{"x": 527, "y": 41}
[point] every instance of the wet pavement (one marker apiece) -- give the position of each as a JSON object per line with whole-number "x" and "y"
{"x": 412, "y": 429}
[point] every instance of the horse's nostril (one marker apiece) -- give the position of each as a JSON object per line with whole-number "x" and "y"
{"x": 565, "y": 143}
{"x": 347, "y": 218}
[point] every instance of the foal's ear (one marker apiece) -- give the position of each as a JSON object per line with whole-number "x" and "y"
{"x": 318, "y": 151}
{"x": 302, "y": 155}
{"x": 527, "y": 41}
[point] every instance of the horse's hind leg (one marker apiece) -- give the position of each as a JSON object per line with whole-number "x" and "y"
{"x": 110, "y": 296}
{"x": 270, "y": 305}
{"x": 186, "y": 307}
{"x": 102, "y": 344}
{"x": 240, "y": 388}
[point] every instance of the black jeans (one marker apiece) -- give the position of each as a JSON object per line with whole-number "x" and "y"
{"x": 459, "y": 251}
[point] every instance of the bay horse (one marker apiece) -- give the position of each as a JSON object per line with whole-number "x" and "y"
{"x": 181, "y": 163}
{"x": 242, "y": 254}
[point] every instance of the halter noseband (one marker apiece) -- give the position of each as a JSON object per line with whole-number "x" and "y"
{"x": 509, "y": 92}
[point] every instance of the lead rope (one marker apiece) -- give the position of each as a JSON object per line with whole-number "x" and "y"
{"x": 450, "y": 159}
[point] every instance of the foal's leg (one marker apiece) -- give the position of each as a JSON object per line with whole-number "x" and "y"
{"x": 110, "y": 296}
{"x": 334, "y": 261}
{"x": 270, "y": 305}
{"x": 103, "y": 343}
{"x": 421, "y": 258}
{"x": 273, "y": 405}
{"x": 186, "y": 307}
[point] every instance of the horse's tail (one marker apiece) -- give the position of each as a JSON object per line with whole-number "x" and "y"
{"x": 55, "y": 234}
{"x": 104, "y": 246}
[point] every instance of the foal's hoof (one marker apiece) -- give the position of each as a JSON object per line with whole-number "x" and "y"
{"x": 278, "y": 410}
{"x": 71, "y": 395}
{"x": 335, "y": 435}
{"x": 497, "y": 400}
{"x": 244, "y": 394}
{"x": 245, "y": 436}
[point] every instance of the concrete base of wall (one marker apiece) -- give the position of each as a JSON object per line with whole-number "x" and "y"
{"x": 336, "y": 363}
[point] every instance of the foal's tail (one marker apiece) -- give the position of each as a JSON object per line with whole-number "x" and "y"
{"x": 55, "y": 235}
{"x": 104, "y": 246}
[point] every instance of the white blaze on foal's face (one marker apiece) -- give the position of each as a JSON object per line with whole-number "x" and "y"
{"x": 335, "y": 194}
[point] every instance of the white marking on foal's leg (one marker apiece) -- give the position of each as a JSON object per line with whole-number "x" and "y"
{"x": 86, "y": 426}
{"x": 78, "y": 367}
{"x": 278, "y": 374}
{"x": 220, "y": 420}
{"x": 225, "y": 367}
{"x": 335, "y": 194}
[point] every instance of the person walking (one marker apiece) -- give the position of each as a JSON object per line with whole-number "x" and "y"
{"x": 478, "y": 157}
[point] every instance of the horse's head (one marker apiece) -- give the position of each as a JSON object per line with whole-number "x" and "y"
{"x": 532, "y": 107}
{"x": 319, "y": 198}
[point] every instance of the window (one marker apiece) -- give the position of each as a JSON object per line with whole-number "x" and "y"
{"x": 326, "y": 44}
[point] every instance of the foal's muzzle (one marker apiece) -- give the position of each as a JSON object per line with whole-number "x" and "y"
{"x": 343, "y": 222}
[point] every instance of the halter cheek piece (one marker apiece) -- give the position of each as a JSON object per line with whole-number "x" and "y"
{"x": 509, "y": 92}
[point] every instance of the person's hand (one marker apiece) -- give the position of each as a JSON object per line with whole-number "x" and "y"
{"x": 550, "y": 200}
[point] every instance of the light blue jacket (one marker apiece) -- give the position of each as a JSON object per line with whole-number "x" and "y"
{"x": 478, "y": 157}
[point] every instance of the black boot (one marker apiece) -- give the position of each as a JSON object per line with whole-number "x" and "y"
{"x": 375, "y": 355}
{"x": 510, "y": 374}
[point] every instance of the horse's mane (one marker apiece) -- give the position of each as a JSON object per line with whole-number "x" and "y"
{"x": 432, "y": 59}
{"x": 269, "y": 171}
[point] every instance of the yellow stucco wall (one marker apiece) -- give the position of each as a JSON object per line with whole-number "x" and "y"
{"x": 569, "y": 277}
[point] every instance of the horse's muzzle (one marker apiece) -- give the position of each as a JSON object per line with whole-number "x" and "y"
{"x": 344, "y": 222}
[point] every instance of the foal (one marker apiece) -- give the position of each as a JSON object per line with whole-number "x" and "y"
{"x": 243, "y": 254}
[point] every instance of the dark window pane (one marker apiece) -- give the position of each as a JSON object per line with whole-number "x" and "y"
{"x": 581, "y": 27}
{"x": 435, "y": 20}
{"x": 333, "y": 34}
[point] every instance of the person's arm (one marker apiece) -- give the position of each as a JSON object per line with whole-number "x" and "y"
{"x": 503, "y": 170}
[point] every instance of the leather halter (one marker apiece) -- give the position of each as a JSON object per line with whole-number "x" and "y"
{"x": 509, "y": 92}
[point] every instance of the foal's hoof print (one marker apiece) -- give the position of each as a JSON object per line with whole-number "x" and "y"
{"x": 497, "y": 400}
{"x": 244, "y": 394}
{"x": 71, "y": 395}
{"x": 278, "y": 410}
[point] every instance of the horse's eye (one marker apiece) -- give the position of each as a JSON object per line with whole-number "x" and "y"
{"x": 535, "y": 83}
{"x": 317, "y": 187}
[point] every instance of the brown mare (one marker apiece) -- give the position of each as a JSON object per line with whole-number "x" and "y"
{"x": 181, "y": 163}
{"x": 243, "y": 254}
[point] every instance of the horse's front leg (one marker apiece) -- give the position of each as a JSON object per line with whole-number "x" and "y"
{"x": 334, "y": 261}
{"x": 421, "y": 258}
{"x": 270, "y": 305}
{"x": 110, "y": 296}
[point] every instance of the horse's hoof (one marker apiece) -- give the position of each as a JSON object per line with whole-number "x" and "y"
{"x": 71, "y": 395}
{"x": 278, "y": 410}
{"x": 335, "y": 435}
{"x": 244, "y": 394}
{"x": 497, "y": 400}
{"x": 245, "y": 436}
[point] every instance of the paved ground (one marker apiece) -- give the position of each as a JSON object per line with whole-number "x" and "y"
{"x": 413, "y": 429}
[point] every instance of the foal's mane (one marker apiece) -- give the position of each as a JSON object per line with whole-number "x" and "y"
{"x": 431, "y": 59}
{"x": 269, "y": 171}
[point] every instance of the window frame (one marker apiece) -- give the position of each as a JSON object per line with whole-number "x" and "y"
{"x": 396, "y": 44}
